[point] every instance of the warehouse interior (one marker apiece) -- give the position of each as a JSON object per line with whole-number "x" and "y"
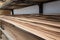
{"x": 29, "y": 19}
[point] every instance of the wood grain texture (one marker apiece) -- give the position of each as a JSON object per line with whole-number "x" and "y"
{"x": 46, "y": 27}
{"x": 19, "y": 34}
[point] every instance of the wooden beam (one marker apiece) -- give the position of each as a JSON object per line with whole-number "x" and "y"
{"x": 50, "y": 1}
{"x": 5, "y": 9}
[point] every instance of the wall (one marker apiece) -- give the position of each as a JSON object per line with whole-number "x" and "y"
{"x": 27, "y": 10}
{"x": 52, "y": 8}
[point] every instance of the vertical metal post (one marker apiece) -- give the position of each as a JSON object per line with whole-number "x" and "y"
{"x": 41, "y": 8}
{"x": 12, "y": 12}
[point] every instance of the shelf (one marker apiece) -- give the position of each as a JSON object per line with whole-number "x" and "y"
{"x": 48, "y": 30}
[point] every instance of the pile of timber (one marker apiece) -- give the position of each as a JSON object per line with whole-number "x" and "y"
{"x": 47, "y": 27}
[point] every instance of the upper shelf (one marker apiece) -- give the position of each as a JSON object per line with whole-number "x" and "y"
{"x": 15, "y": 4}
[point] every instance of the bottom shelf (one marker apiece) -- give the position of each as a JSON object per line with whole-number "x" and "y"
{"x": 18, "y": 34}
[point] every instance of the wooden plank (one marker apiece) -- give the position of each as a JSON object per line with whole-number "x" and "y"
{"x": 49, "y": 27}
{"x": 52, "y": 34}
{"x": 35, "y": 26}
{"x": 8, "y": 35}
{"x": 19, "y": 34}
{"x": 4, "y": 37}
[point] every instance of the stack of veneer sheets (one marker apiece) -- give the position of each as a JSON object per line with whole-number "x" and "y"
{"x": 46, "y": 27}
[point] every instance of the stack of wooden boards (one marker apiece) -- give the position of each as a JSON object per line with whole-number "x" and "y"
{"x": 46, "y": 27}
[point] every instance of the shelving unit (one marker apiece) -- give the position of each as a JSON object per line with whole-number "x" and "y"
{"x": 26, "y": 26}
